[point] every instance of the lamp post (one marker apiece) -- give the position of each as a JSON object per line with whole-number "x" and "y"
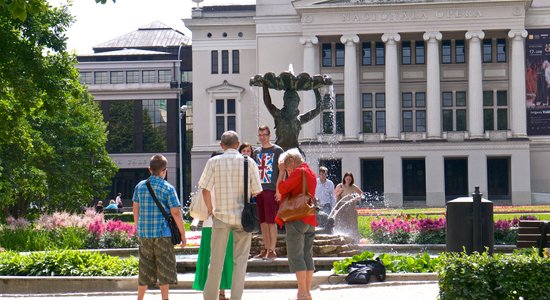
{"x": 182, "y": 111}
{"x": 183, "y": 132}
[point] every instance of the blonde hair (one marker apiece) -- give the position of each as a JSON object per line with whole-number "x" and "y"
{"x": 293, "y": 154}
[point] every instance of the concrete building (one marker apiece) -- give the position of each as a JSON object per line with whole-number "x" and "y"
{"x": 430, "y": 96}
{"x": 141, "y": 80}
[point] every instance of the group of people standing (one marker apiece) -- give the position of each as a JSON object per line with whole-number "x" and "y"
{"x": 273, "y": 176}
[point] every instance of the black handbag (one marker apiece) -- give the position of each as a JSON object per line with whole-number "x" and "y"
{"x": 249, "y": 217}
{"x": 361, "y": 271}
{"x": 176, "y": 235}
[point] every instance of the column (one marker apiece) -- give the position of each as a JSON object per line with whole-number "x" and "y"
{"x": 311, "y": 66}
{"x": 433, "y": 86}
{"x": 475, "y": 84}
{"x": 393, "y": 109}
{"x": 352, "y": 109}
{"x": 517, "y": 98}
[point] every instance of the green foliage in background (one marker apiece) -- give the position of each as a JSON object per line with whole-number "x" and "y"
{"x": 66, "y": 263}
{"x": 31, "y": 239}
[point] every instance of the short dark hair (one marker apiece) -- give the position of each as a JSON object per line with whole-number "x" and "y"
{"x": 264, "y": 128}
{"x": 158, "y": 163}
{"x": 350, "y": 175}
{"x": 245, "y": 145}
{"x": 323, "y": 169}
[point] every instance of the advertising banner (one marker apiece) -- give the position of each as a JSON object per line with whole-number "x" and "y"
{"x": 537, "y": 81}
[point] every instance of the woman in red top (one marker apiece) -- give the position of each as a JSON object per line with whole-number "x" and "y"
{"x": 299, "y": 234}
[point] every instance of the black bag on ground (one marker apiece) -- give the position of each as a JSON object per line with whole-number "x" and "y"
{"x": 249, "y": 217}
{"x": 360, "y": 272}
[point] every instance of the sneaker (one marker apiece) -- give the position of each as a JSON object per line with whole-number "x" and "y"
{"x": 262, "y": 254}
{"x": 271, "y": 255}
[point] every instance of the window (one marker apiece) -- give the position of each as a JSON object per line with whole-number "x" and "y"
{"x": 487, "y": 51}
{"x": 117, "y": 77}
{"x": 495, "y": 113}
{"x": 121, "y": 127}
{"x": 165, "y": 75}
{"x": 332, "y": 118}
{"x": 406, "y": 53}
{"x": 327, "y": 55}
{"x": 420, "y": 52}
{"x": 379, "y": 53}
{"x": 132, "y": 76}
{"x": 86, "y": 78}
{"x": 454, "y": 111}
{"x": 501, "y": 50}
{"x": 225, "y": 116}
{"x": 225, "y": 61}
{"x": 446, "y": 52}
{"x": 378, "y": 111}
{"x": 149, "y": 76}
{"x": 214, "y": 62}
{"x": 155, "y": 118}
{"x": 459, "y": 52}
{"x": 367, "y": 54}
{"x": 101, "y": 77}
{"x": 235, "y": 61}
{"x": 340, "y": 54}
{"x": 413, "y": 113}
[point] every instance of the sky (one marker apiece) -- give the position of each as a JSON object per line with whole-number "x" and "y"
{"x": 98, "y": 23}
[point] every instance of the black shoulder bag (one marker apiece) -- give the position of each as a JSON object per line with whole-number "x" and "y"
{"x": 361, "y": 271}
{"x": 176, "y": 235}
{"x": 249, "y": 218}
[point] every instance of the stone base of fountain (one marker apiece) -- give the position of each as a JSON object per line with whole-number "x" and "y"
{"x": 324, "y": 245}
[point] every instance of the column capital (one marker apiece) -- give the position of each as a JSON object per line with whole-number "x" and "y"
{"x": 432, "y": 35}
{"x": 517, "y": 33}
{"x": 386, "y": 37}
{"x": 478, "y": 34}
{"x": 309, "y": 40}
{"x": 349, "y": 38}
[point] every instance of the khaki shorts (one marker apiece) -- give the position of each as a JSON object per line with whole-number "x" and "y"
{"x": 157, "y": 262}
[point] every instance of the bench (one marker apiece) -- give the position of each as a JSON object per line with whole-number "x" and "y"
{"x": 534, "y": 233}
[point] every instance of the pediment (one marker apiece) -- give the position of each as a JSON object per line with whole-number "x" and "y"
{"x": 226, "y": 88}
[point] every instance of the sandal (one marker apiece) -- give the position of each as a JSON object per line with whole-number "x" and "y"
{"x": 221, "y": 296}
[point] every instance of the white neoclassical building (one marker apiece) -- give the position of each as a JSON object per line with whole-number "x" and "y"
{"x": 431, "y": 97}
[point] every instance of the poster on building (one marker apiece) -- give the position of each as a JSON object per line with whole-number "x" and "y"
{"x": 537, "y": 83}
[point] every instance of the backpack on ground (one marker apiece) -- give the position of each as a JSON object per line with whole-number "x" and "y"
{"x": 359, "y": 272}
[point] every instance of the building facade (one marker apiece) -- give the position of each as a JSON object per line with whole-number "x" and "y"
{"x": 141, "y": 80}
{"x": 430, "y": 96}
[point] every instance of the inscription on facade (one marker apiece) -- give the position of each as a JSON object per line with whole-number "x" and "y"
{"x": 411, "y": 15}
{"x": 132, "y": 163}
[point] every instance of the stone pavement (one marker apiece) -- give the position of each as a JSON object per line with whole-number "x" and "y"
{"x": 417, "y": 291}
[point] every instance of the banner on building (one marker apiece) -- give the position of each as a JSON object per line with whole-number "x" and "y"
{"x": 537, "y": 85}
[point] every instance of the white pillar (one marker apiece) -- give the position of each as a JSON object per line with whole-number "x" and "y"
{"x": 393, "y": 109}
{"x": 517, "y": 98}
{"x": 433, "y": 87}
{"x": 475, "y": 84}
{"x": 311, "y": 66}
{"x": 352, "y": 109}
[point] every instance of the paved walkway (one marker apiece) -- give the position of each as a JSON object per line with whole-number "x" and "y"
{"x": 420, "y": 291}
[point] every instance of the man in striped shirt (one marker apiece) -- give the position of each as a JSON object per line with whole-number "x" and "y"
{"x": 224, "y": 177}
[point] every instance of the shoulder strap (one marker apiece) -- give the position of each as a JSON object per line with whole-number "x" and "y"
{"x": 245, "y": 195}
{"x": 162, "y": 210}
{"x": 304, "y": 184}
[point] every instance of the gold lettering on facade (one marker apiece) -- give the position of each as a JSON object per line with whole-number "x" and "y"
{"x": 410, "y": 15}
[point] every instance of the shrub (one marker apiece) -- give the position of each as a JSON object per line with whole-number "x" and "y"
{"x": 120, "y": 217}
{"x": 66, "y": 263}
{"x": 112, "y": 234}
{"x": 430, "y": 231}
{"x": 501, "y": 276}
{"x": 29, "y": 239}
{"x": 396, "y": 231}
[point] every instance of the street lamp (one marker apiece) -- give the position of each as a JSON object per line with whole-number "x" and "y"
{"x": 183, "y": 129}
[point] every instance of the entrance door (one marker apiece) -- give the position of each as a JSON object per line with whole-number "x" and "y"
{"x": 456, "y": 178}
{"x": 498, "y": 178}
{"x": 125, "y": 181}
{"x": 372, "y": 178}
{"x": 414, "y": 179}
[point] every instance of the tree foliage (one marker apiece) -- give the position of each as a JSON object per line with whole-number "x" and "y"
{"x": 52, "y": 134}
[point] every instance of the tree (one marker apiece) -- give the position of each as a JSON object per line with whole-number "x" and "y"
{"x": 52, "y": 134}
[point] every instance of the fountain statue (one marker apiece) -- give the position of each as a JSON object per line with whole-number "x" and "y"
{"x": 288, "y": 120}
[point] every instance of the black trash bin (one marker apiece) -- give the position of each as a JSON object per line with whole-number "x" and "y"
{"x": 461, "y": 222}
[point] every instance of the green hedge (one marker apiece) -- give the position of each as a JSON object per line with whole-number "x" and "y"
{"x": 128, "y": 217}
{"x": 66, "y": 263}
{"x": 501, "y": 276}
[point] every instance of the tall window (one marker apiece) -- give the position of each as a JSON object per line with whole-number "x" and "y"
{"x": 149, "y": 76}
{"x": 132, "y": 76}
{"x": 379, "y": 53}
{"x": 487, "y": 51}
{"x": 214, "y": 62}
{"x": 225, "y": 61}
{"x": 501, "y": 50}
{"x": 165, "y": 75}
{"x": 413, "y": 112}
{"x": 420, "y": 52}
{"x": 332, "y": 118}
{"x": 406, "y": 53}
{"x": 101, "y": 77}
{"x": 460, "y": 57}
{"x": 454, "y": 111}
{"x": 121, "y": 127}
{"x": 86, "y": 78}
{"x": 495, "y": 111}
{"x": 446, "y": 52}
{"x": 367, "y": 54}
{"x": 380, "y": 113}
{"x": 155, "y": 118}
{"x": 327, "y": 54}
{"x": 225, "y": 116}
{"x": 340, "y": 54}
{"x": 235, "y": 61}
